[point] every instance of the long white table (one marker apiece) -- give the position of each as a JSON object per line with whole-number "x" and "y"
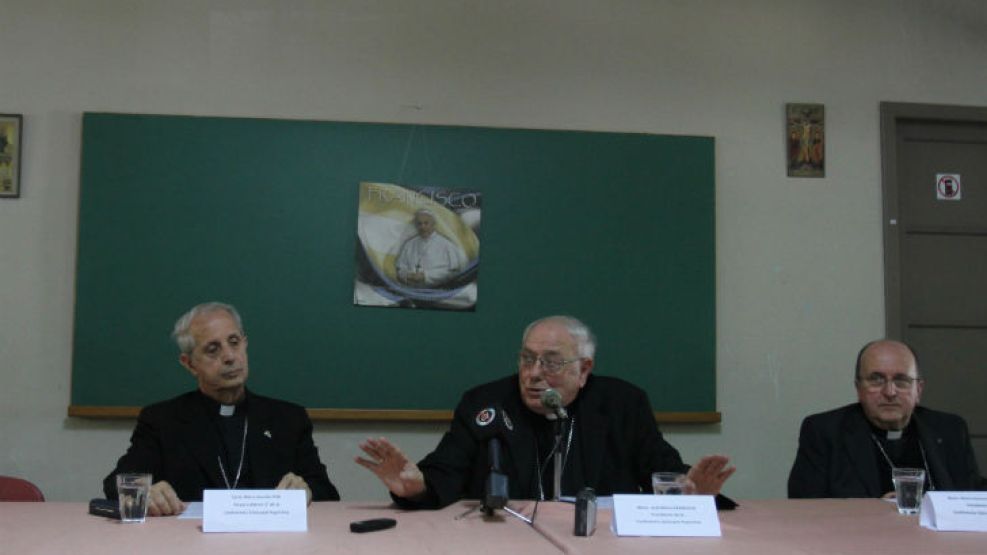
{"x": 67, "y": 528}
{"x": 782, "y": 526}
{"x": 829, "y": 526}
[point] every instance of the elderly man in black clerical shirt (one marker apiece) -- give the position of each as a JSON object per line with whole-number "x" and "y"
{"x": 221, "y": 436}
{"x": 612, "y": 443}
{"x": 850, "y": 451}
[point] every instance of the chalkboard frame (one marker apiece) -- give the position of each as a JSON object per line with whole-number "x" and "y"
{"x": 615, "y": 228}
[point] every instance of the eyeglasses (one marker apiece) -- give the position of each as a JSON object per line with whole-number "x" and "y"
{"x": 878, "y": 381}
{"x": 550, "y": 365}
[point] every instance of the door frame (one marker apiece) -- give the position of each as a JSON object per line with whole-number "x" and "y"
{"x": 891, "y": 114}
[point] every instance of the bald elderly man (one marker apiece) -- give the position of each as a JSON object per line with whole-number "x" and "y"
{"x": 612, "y": 443}
{"x": 850, "y": 451}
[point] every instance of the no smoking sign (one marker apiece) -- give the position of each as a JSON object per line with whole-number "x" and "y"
{"x": 948, "y": 186}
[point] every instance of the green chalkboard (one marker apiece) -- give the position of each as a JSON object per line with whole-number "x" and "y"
{"x": 614, "y": 228}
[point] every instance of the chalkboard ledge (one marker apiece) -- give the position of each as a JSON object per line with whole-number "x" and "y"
{"x": 376, "y": 415}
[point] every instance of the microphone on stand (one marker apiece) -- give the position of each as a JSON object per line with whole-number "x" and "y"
{"x": 552, "y": 400}
{"x": 495, "y": 494}
{"x": 493, "y": 425}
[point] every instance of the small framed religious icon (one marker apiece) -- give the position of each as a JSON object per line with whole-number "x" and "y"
{"x": 11, "y": 140}
{"x": 805, "y": 140}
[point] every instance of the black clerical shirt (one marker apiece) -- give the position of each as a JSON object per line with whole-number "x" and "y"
{"x": 230, "y": 434}
{"x": 903, "y": 452}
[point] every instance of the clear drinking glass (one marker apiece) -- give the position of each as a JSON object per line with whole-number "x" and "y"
{"x": 133, "y": 491}
{"x": 908, "y": 484}
{"x": 672, "y": 483}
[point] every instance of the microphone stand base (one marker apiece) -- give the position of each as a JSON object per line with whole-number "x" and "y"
{"x": 471, "y": 511}
{"x": 490, "y": 511}
{"x": 519, "y": 516}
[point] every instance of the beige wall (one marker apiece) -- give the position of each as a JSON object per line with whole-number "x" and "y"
{"x": 799, "y": 271}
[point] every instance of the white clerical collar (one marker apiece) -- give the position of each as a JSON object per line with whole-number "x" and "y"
{"x": 227, "y": 410}
{"x": 894, "y": 434}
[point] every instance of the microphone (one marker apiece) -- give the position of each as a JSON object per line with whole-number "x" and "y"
{"x": 495, "y": 494}
{"x": 552, "y": 400}
{"x": 492, "y": 424}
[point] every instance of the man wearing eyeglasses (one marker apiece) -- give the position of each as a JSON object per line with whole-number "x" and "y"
{"x": 611, "y": 442}
{"x": 850, "y": 451}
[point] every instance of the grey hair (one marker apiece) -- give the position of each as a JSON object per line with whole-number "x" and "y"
{"x": 585, "y": 340}
{"x": 181, "y": 334}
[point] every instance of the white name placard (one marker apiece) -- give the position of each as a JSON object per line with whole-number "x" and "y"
{"x": 254, "y": 510}
{"x": 665, "y": 515}
{"x": 955, "y": 511}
